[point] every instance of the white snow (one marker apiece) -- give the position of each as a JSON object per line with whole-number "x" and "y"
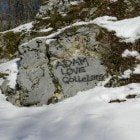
{"x": 127, "y": 74}
{"x": 11, "y": 69}
{"x": 113, "y": 0}
{"x": 137, "y": 69}
{"x": 75, "y": 2}
{"x": 46, "y": 30}
{"x": 128, "y": 53}
{"x": 127, "y": 29}
{"x": 25, "y": 27}
{"x": 87, "y": 116}
{"x": 46, "y": 18}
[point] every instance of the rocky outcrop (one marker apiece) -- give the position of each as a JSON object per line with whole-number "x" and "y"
{"x": 57, "y": 14}
{"x": 34, "y": 76}
{"x": 75, "y": 58}
{"x": 61, "y": 68}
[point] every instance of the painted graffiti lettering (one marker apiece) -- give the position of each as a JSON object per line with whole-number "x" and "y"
{"x": 70, "y": 71}
{"x": 38, "y": 43}
{"x": 87, "y": 78}
{"x": 74, "y": 62}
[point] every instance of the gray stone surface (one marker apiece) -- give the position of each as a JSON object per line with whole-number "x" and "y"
{"x": 51, "y": 72}
{"x": 34, "y": 81}
{"x": 78, "y": 74}
{"x": 52, "y": 5}
{"x": 76, "y": 61}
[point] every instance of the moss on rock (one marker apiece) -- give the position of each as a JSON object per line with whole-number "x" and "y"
{"x": 10, "y": 42}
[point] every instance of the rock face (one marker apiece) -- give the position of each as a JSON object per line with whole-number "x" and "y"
{"x": 34, "y": 79}
{"x": 78, "y": 74}
{"x": 61, "y": 68}
{"x": 75, "y": 61}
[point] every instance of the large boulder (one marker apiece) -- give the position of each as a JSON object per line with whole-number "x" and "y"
{"x": 69, "y": 63}
{"x": 75, "y": 57}
{"x": 34, "y": 84}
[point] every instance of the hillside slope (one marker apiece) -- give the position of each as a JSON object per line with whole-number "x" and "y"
{"x": 72, "y": 73}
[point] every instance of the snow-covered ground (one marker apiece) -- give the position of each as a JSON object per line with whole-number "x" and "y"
{"x": 87, "y": 116}
{"x": 25, "y": 27}
{"x": 127, "y": 29}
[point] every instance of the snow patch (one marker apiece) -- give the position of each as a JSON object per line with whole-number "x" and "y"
{"x": 137, "y": 69}
{"x": 10, "y": 68}
{"x": 87, "y": 116}
{"x": 127, "y": 74}
{"x": 46, "y": 30}
{"x": 25, "y": 27}
{"x": 127, "y": 29}
{"x": 128, "y": 53}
